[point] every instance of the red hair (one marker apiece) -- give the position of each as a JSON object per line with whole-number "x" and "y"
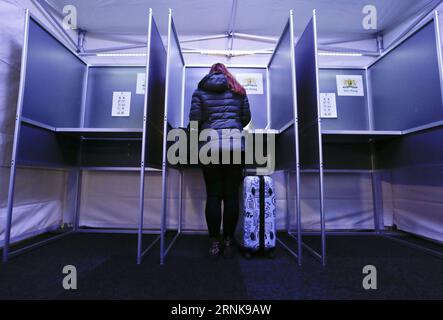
{"x": 233, "y": 84}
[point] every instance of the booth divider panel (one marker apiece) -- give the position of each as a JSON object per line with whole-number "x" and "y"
{"x": 154, "y": 144}
{"x": 285, "y": 153}
{"x": 54, "y": 80}
{"x": 102, "y": 83}
{"x": 352, "y": 111}
{"x": 309, "y": 145}
{"x": 111, "y": 153}
{"x": 280, "y": 77}
{"x": 175, "y": 81}
{"x": 257, "y": 102}
{"x": 347, "y": 156}
{"x": 310, "y": 139}
{"x": 307, "y": 100}
{"x": 41, "y": 147}
{"x": 406, "y": 85}
{"x": 413, "y": 150}
{"x": 156, "y": 99}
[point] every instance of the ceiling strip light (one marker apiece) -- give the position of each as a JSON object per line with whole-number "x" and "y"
{"x": 121, "y": 54}
{"x": 340, "y": 54}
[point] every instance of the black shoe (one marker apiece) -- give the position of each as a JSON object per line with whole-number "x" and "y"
{"x": 228, "y": 247}
{"x": 215, "y": 248}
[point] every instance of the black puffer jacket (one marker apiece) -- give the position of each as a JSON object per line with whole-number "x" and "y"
{"x": 215, "y": 106}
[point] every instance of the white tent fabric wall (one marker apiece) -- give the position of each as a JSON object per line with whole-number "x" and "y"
{"x": 418, "y": 204}
{"x": 392, "y": 35}
{"x": 348, "y": 201}
{"x": 10, "y": 52}
{"x": 111, "y": 199}
{"x": 39, "y": 13}
{"x": 114, "y": 23}
{"x": 40, "y": 202}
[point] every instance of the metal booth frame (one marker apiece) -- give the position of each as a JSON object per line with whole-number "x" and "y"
{"x": 165, "y": 248}
{"x": 78, "y": 169}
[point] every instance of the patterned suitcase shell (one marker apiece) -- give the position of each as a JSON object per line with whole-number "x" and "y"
{"x": 248, "y": 232}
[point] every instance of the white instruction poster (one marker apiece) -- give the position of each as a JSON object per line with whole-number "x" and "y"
{"x": 121, "y": 104}
{"x": 351, "y": 85}
{"x": 328, "y": 105}
{"x": 252, "y": 82}
{"x": 141, "y": 83}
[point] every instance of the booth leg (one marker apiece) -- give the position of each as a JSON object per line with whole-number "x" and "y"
{"x": 288, "y": 193}
{"x": 377, "y": 201}
{"x": 9, "y": 214}
{"x": 180, "y": 203}
{"x": 140, "y": 252}
{"x": 163, "y": 214}
{"x": 376, "y": 190}
{"x": 77, "y": 200}
{"x": 141, "y": 215}
{"x": 299, "y": 222}
{"x": 163, "y": 249}
{"x": 322, "y": 218}
{"x": 298, "y": 254}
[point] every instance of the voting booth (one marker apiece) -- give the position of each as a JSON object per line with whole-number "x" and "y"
{"x": 80, "y": 118}
{"x": 273, "y": 102}
{"x": 333, "y": 126}
{"x": 352, "y": 145}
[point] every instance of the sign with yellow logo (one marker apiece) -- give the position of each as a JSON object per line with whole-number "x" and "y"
{"x": 252, "y": 82}
{"x": 350, "y": 85}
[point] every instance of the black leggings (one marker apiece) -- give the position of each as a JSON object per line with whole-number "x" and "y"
{"x": 222, "y": 184}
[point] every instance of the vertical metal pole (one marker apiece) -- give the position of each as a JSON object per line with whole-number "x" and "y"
{"x": 78, "y": 199}
{"x": 322, "y": 218}
{"x": 297, "y": 143}
{"x": 79, "y": 179}
{"x": 380, "y": 44}
{"x": 320, "y": 148}
{"x": 163, "y": 213}
{"x": 143, "y": 151}
{"x": 182, "y": 118}
{"x": 81, "y": 36}
{"x": 165, "y": 134}
{"x": 439, "y": 49}
{"x": 299, "y": 219}
{"x": 18, "y": 116}
{"x": 180, "y": 204}
{"x": 288, "y": 201}
{"x": 371, "y": 125}
{"x": 84, "y": 98}
{"x": 268, "y": 99}
{"x": 141, "y": 212}
{"x": 230, "y": 32}
{"x": 376, "y": 198}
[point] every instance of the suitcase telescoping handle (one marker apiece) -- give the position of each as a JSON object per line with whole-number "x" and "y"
{"x": 262, "y": 212}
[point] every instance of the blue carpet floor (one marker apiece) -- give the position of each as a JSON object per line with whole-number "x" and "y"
{"x": 107, "y": 270}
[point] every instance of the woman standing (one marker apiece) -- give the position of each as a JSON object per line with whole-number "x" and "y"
{"x": 218, "y": 103}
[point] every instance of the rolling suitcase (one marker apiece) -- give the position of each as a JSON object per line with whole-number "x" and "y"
{"x": 256, "y": 229}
